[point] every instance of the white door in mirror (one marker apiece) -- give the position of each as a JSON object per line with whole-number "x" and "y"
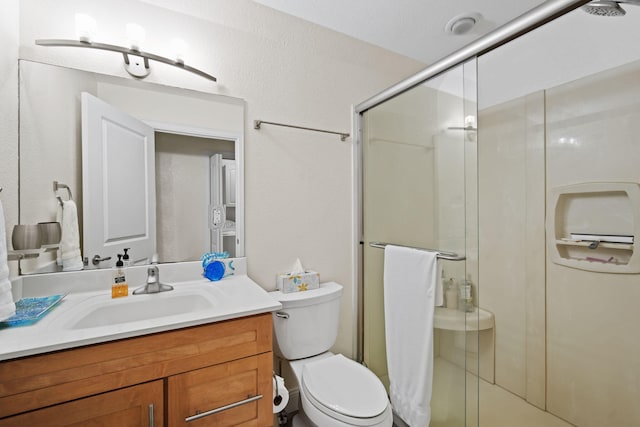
{"x": 118, "y": 183}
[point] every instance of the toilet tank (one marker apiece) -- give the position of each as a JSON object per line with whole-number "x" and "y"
{"x": 307, "y": 324}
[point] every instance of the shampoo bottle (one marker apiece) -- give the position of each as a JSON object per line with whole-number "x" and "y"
{"x": 465, "y": 301}
{"x": 119, "y": 288}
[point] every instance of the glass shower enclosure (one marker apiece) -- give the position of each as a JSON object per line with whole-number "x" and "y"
{"x": 419, "y": 189}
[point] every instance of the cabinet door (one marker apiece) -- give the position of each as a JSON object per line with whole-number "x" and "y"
{"x": 140, "y": 405}
{"x": 223, "y": 395}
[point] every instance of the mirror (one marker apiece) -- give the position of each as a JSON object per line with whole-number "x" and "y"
{"x": 198, "y": 164}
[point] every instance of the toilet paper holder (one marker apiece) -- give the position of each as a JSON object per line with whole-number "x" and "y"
{"x": 277, "y": 399}
{"x": 280, "y": 395}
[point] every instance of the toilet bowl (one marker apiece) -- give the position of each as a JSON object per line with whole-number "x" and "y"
{"x": 337, "y": 392}
{"x": 334, "y": 390}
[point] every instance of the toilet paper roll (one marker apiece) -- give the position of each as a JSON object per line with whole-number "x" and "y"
{"x": 279, "y": 390}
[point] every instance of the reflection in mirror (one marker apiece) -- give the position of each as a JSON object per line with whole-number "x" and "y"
{"x": 196, "y": 202}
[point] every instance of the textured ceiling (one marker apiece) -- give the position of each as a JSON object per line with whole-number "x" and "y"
{"x": 415, "y": 28}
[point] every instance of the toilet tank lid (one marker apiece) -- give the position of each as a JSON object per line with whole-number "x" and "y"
{"x": 326, "y": 292}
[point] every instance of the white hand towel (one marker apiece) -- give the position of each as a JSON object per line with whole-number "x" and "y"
{"x": 70, "y": 241}
{"x": 59, "y": 220}
{"x": 410, "y": 288}
{"x": 7, "y": 306}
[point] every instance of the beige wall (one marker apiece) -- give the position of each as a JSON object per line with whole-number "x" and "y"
{"x": 512, "y": 246}
{"x": 593, "y": 373}
{"x": 183, "y": 194}
{"x": 564, "y": 336}
{"x": 9, "y": 115}
{"x": 298, "y": 184}
{"x": 550, "y": 347}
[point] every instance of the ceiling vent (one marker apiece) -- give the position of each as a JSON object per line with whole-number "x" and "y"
{"x": 462, "y": 24}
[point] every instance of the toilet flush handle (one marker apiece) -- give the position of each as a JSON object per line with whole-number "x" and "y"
{"x": 282, "y": 314}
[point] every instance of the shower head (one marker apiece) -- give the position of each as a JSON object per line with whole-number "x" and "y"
{"x": 604, "y": 8}
{"x": 607, "y": 7}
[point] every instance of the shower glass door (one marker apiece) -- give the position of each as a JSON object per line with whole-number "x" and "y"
{"x": 419, "y": 189}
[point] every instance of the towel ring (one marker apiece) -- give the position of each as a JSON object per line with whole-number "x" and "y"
{"x": 57, "y": 186}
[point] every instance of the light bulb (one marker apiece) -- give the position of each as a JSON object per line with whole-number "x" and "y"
{"x": 179, "y": 48}
{"x": 135, "y": 35}
{"x": 86, "y": 27}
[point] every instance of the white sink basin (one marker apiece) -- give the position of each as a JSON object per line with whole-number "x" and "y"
{"x": 134, "y": 310}
{"x": 102, "y": 310}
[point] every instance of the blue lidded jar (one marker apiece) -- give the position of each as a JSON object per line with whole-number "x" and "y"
{"x": 214, "y": 270}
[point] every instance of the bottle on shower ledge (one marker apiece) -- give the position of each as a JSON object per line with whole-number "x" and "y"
{"x": 451, "y": 295}
{"x": 465, "y": 300}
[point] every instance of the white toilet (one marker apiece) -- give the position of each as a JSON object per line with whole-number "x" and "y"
{"x": 334, "y": 390}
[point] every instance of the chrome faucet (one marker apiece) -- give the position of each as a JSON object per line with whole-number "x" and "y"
{"x": 153, "y": 285}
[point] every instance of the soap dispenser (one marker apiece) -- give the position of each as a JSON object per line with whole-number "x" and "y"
{"x": 119, "y": 287}
{"x": 125, "y": 258}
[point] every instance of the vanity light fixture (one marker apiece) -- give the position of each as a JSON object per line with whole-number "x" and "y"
{"x": 136, "y": 62}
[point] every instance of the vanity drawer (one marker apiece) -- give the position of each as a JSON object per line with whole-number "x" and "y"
{"x": 223, "y": 395}
{"x": 140, "y": 405}
{"x": 43, "y": 380}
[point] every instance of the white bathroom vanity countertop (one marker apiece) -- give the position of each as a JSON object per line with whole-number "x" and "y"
{"x": 92, "y": 316}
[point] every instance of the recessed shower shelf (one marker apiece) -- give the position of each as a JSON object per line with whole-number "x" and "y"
{"x": 610, "y": 210}
{"x": 584, "y": 243}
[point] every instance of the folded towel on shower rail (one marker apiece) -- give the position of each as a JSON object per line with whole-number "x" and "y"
{"x": 7, "y": 306}
{"x": 70, "y": 241}
{"x": 411, "y": 291}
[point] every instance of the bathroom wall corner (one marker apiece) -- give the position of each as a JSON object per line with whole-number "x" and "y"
{"x": 9, "y": 35}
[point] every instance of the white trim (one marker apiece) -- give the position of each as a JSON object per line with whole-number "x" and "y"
{"x": 355, "y": 224}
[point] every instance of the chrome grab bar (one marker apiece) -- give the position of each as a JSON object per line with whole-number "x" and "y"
{"x": 223, "y": 408}
{"x": 450, "y": 256}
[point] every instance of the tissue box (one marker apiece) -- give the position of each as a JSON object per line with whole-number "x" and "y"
{"x": 297, "y": 282}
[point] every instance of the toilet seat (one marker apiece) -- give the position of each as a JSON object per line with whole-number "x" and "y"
{"x": 345, "y": 390}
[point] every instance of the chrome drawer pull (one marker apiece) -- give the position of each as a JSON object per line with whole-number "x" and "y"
{"x": 223, "y": 408}
{"x": 152, "y": 421}
{"x": 282, "y": 314}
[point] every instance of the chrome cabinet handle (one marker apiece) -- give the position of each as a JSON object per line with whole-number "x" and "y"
{"x": 223, "y": 408}
{"x": 152, "y": 421}
{"x": 282, "y": 314}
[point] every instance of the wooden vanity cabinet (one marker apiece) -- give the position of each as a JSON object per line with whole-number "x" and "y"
{"x": 212, "y": 373}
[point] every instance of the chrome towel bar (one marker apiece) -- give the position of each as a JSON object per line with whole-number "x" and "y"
{"x": 450, "y": 256}
{"x": 258, "y": 123}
